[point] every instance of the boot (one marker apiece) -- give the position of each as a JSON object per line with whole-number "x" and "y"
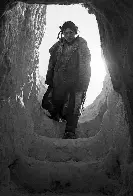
{"x": 55, "y": 117}
{"x": 69, "y": 135}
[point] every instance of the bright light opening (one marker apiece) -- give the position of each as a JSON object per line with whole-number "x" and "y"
{"x": 87, "y": 24}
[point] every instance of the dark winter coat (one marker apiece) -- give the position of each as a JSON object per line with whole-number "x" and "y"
{"x": 69, "y": 66}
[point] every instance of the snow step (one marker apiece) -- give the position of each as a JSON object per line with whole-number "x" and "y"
{"x": 72, "y": 176}
{"x": 57, "y": 150}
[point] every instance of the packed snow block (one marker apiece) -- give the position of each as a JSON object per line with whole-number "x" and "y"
{"x": 56, "y": 149}
{"x": 48, "y": 127}
{"x": 89, "y": 128}
{"x": 127, "y": 180}
{"x": 22, "y": 29}
{"x": 112, "y": 100}
{"x": 112, "y": 165}
{"x": 91, "y": 118}
{"x": 5, "y": 177}
{"x": 114, "y": 127}
{"x": 70, "y": 176}
{"x": 4, "y": 180}
{"x": 7, "y": 151}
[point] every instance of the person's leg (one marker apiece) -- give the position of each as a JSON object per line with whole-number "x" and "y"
{"x": 73, "y": 113}
{"x": 57, "y": 101}
{"x": 70, "y": 114}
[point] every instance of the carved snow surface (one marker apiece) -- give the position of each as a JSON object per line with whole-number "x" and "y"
{"x": 32, "y": 152}
{"x": 76, "y": 165}
{"x": 70, "y": 176}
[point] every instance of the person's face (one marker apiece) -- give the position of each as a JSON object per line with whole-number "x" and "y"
{"x": 69, "y": 35}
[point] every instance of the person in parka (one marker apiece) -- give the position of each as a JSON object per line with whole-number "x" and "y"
{"x": 69, "y": 75}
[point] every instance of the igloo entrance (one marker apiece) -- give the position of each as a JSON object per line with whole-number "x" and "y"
{"x": 42, "y": 163}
